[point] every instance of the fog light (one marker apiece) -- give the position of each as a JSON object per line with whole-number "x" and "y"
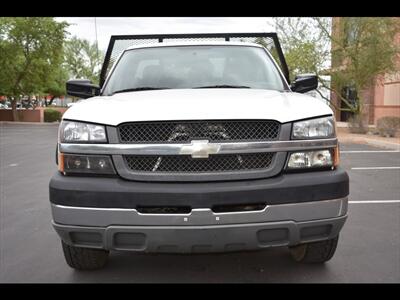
{"x": 310, "y": 159}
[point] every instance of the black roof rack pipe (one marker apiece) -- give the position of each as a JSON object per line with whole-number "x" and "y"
{"x": 160, "y": 38}
{"x": 285, "y": 68}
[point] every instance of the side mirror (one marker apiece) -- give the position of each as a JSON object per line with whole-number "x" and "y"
{"x": 304, "y": 83}
{"x": 82, "y": 88}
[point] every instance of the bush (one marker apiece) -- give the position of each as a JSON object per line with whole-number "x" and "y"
{"x": 387, "y": 126}
{"x": 52, "y": 115}
{"x": 357, "y": 124}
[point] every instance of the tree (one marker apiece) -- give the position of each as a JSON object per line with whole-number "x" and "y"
{"x": 354, "y": 54}
{"x": 306, "y": 48}
{"x": 362, "y": 49}
{"x": 31, "y": 50}
{"x": 56, "y": 85}
{"x": 82, "y": 59}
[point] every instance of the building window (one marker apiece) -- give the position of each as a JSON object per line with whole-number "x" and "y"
{"x": 350, "y": 94}
{"x": 392, "y": 94}
{"x": 351, "y": 27}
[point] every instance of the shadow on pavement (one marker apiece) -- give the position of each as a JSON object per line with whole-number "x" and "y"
{"x": 270, "y": 265}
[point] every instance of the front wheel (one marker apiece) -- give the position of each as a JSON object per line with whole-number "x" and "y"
{"x": 315, "y": 252}
{"x": 84, "y": 258}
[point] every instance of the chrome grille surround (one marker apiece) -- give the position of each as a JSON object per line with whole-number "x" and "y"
{"x": 189, "y": 135}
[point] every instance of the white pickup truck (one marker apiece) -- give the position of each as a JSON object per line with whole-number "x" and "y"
{"x": 197, "y": 147}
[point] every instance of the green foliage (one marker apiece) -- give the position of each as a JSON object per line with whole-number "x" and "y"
{"x": 388, "y": 126}
{"x": 306, "y": 49}
{"x": 37, "y": 60}
{"x": 82, "y": 59}
{"x": 52, "y": 115}
{"x": 303, "y": 58}
{"x": 360, "y": 50}
{"x": 56, "y": 83}
{"x": 31, "y": 53}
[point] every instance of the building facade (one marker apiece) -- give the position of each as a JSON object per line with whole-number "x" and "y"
{"x": 381, "y": 99}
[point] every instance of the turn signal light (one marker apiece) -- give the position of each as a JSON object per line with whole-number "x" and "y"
{"x": 336, "y": 156}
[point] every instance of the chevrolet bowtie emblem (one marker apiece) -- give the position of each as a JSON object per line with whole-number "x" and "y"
{"x": 200, "y": 149}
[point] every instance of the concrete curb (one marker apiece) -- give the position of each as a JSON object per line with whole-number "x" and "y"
{"x": 369, "y": 141}
{"x": 29, "y": 123}
{"x": 346, "y": 125}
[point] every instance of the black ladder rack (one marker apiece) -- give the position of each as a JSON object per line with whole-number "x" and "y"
{"x": 114, "y": 50}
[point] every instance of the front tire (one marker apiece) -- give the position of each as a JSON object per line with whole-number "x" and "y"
{"x": 84, "y": 258}
{"x": 315, "y": 252}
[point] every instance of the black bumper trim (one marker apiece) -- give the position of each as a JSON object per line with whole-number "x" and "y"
{"x": 119, "y": 193}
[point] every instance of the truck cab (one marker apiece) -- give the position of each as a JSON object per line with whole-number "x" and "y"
{"x": 197, "y": 147}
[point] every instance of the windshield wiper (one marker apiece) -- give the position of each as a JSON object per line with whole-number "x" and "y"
{"x": 142, "y": 88}
{"x": 223, "y": 86}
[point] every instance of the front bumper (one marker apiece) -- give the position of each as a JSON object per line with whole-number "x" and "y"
{"x": 119, "y": 193}
{"x": 192, "y": 239}
{"x": 101, "y": 212}
{"x": 201, "y": 230}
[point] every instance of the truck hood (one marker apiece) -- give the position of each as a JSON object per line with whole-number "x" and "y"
{"x": 195, "y": 104}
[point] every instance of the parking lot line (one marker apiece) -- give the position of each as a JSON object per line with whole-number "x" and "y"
{"x": 373, "y": 201}
{"x": 375, "y": 168}
{"x": 370, "y": 151}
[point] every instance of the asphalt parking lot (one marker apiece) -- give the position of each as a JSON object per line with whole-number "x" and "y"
{"x": 30, "y": 250}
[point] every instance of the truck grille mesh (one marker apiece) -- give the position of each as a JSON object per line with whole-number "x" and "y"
{"x": 187, "y": 164}
{"x": 185, "y": 131}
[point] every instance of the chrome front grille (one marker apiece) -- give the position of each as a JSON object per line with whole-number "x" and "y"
{"x": 186, "y": 164}
{"x": 227, "y": 160}
{"x": 199, "y": 150}
{"x": 185, "y": 131}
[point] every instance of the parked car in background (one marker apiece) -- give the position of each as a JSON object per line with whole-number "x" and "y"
{"x": 5, "y": 104}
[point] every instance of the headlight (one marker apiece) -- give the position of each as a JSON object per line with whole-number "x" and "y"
{"x": 78, "y": 132}
{"x": 311, "y": 159}
{"x": 314, "y": 128}
{"x": 85, "y": 164}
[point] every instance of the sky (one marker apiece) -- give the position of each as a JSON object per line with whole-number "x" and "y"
{"x": 84, "y": 27}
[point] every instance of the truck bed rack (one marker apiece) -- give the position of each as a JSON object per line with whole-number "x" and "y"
{"x": 118, "y": 43}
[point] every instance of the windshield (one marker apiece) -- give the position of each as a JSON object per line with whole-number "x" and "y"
{"x": 183, "y": 67}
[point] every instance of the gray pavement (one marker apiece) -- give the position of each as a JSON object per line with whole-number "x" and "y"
{"x": 30, "y": 250}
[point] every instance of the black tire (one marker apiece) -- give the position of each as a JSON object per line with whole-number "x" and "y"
{"x": 84, "y": 258}
{"x": 315, "y": 252}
